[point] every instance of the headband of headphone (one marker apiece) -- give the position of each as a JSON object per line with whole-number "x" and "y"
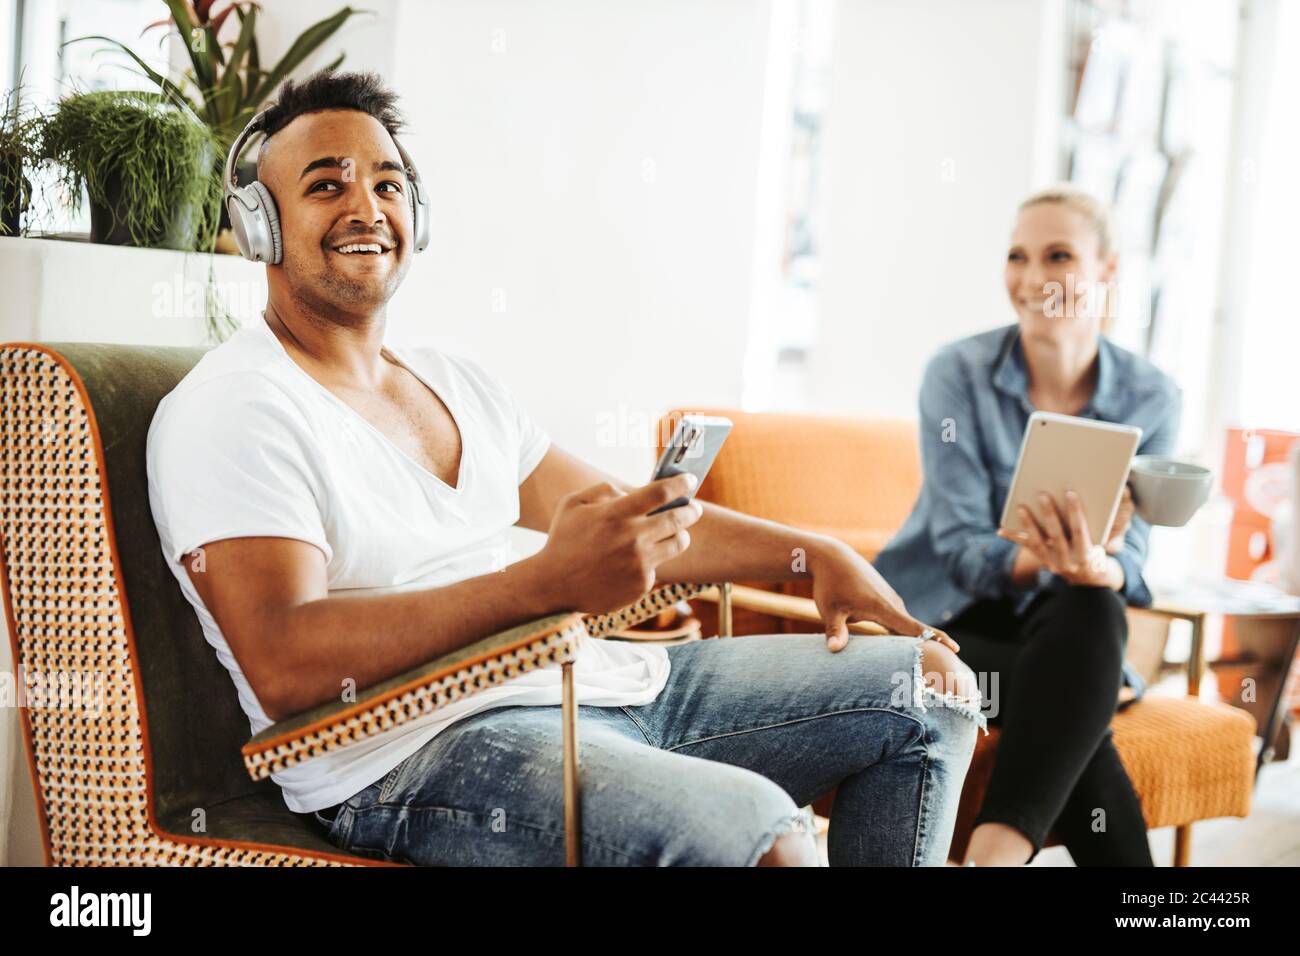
{"x": 256, "y": 222}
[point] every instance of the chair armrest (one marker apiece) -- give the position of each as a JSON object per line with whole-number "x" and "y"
{"x": 415, "y": 693}
{"x": 1196, "y": 654}
{"x": 660, "y": 599}
{"x": 781, "y": 605}
{"x": 443, "y": 680}
{"x": 1168, "y": 609}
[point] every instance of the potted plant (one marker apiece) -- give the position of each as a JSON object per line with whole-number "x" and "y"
{"x": 146, "y": 165}
{"x": 21, "y": 129}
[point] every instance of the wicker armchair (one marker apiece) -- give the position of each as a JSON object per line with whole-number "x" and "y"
{"x": 133, "y": 731}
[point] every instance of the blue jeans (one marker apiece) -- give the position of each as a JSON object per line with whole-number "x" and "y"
{"x": 746, "y": 731}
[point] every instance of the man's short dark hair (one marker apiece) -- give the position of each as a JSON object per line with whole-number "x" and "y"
{"x": 328, "y": 90}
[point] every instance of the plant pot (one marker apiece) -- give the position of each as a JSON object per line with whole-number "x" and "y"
{"x": 15, "y": 194}
{"x": 108, "y": 221}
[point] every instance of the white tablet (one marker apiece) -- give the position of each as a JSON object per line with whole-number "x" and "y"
{"x": 1062, "y": 453}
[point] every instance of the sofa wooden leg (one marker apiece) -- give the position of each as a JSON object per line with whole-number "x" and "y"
{"x": 572, "y": 791}
{"x": 1182, "y": 844}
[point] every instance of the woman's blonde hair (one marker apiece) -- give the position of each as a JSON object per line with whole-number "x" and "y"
{"x": 1071, "y": 196}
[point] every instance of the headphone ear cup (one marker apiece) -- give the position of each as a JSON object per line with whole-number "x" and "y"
{"x": 243, "y": 207}
{"x": 420, "y": 224}
{"x": 415, "y": 220}
{"x": 421, "y": 227}
{"x": 271, "y": 216}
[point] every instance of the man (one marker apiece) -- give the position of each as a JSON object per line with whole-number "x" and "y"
{"x": 337, "y": 512}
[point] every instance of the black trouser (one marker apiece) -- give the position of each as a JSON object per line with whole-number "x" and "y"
{"x": 1058, "y": 677}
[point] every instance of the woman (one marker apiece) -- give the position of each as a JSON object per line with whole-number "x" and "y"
{"x": 1039, "y": 612}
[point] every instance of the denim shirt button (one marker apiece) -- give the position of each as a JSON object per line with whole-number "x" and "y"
{"x": 947, "y": 615}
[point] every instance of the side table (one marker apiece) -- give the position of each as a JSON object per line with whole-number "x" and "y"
{"x": 1271, "y": 617}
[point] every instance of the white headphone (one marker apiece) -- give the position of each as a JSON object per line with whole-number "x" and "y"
{"x": 253, "y": 215}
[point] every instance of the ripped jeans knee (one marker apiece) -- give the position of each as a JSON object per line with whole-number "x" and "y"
{"x": 801, "y": 821}
{"x": 941, "y": 679}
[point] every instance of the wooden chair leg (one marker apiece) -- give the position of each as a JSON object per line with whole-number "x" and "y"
{"x": 724, "y": 609}
{"x": 572, "y": 791}
{"x": 1182, "y": 845}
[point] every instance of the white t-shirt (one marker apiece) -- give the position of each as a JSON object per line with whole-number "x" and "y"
{"x": 248, "y": 444}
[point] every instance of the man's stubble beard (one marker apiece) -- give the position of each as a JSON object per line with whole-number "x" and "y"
{"x": 327, "y": 290}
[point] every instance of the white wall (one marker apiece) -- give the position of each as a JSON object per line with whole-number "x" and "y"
{"x": 368, "y": 39}
{"x": 943, "y": 116}
{"x": 592, "y": 170}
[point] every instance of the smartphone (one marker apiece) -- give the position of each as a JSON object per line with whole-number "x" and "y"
{"x": 696, "y": 441}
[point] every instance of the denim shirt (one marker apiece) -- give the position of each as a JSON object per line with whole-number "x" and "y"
{"x": 974, "y": 408}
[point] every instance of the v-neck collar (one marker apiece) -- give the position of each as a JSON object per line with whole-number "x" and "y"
{"x": 401, "y": 359}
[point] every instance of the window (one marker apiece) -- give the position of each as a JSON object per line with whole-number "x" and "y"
{"x": 783, "y": 324}
{"x": 1268, "y": 355}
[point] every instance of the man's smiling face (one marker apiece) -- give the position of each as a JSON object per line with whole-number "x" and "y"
{"x": 345, "y": 211}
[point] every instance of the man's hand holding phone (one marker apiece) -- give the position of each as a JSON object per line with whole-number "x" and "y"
{"x": 604, "y": 545}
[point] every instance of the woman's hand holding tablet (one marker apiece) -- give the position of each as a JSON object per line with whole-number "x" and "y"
{"x": 1062, "y": 543}
{"x": 1070, "y": 480}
